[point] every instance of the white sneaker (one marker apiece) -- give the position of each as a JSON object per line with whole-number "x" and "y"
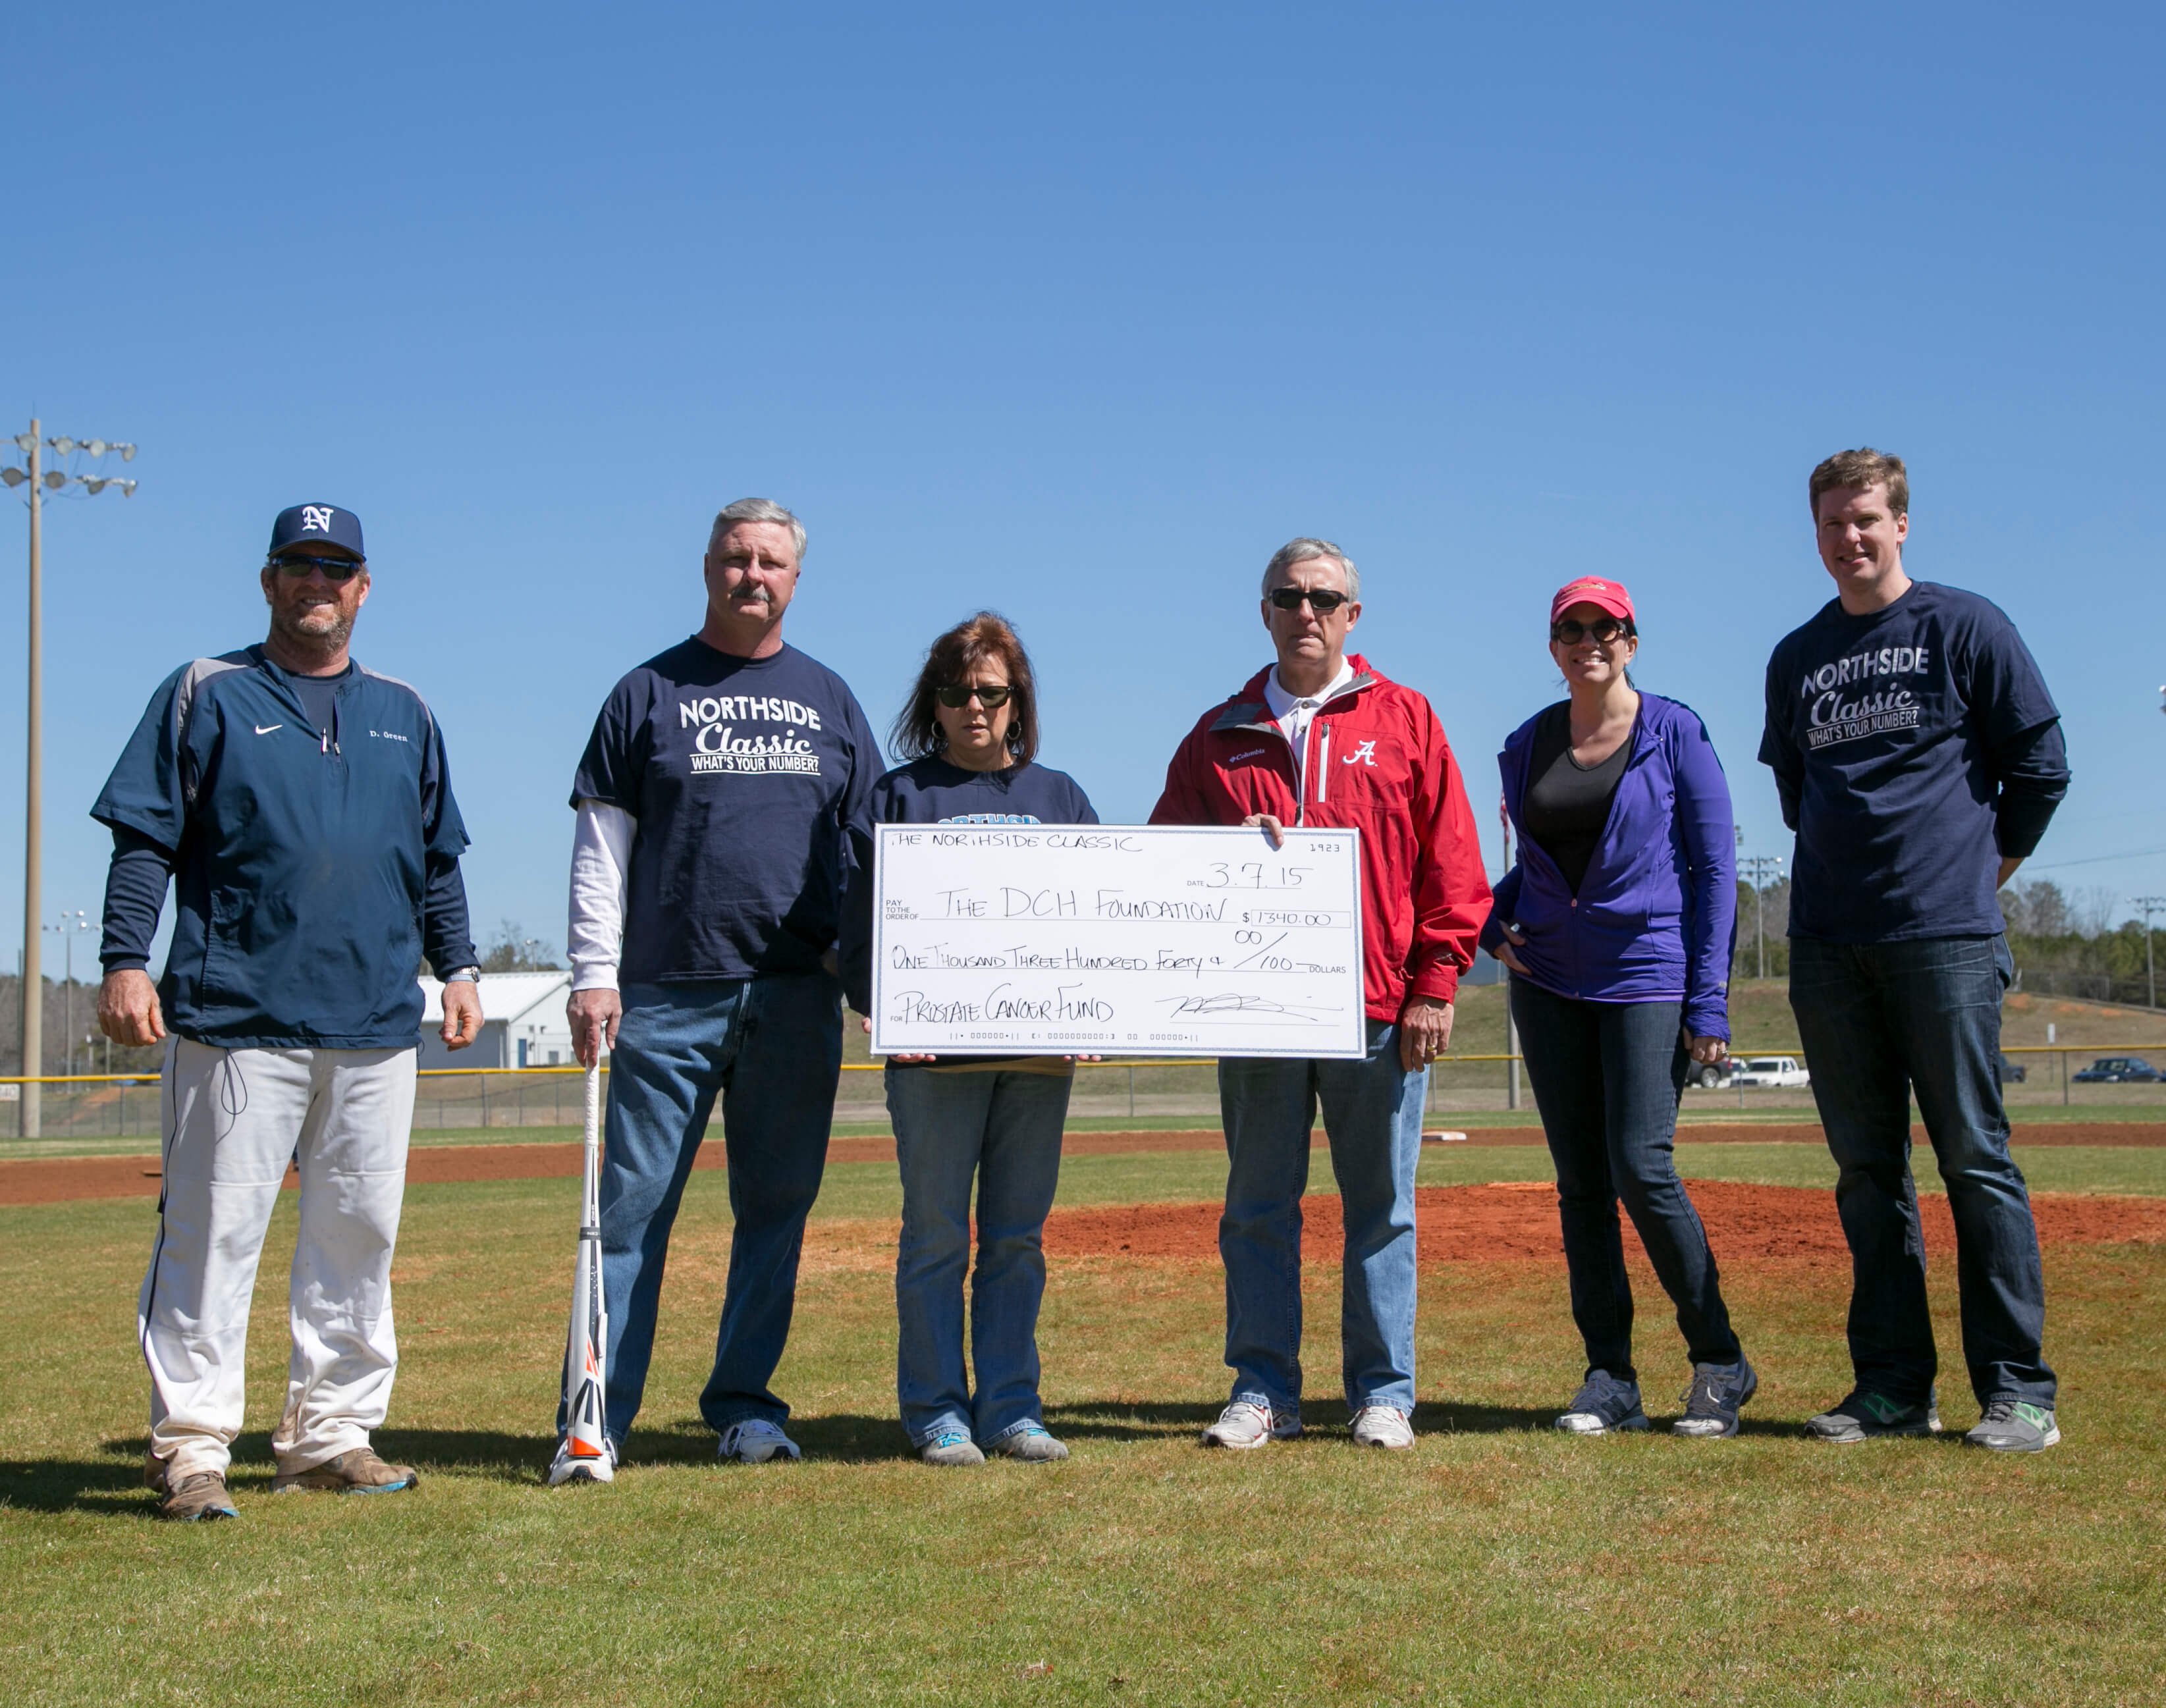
{"x": 756, "y": 1441}
{"x": 564, "y": 1468}
{"x": 1383, "y": 1426}
{"x": 1245, "y": 1424}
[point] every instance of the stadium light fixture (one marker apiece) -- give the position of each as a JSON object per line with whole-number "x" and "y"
{"x": 40, "y": 480}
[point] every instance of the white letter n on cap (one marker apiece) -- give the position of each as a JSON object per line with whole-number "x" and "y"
{"x": 316, "y": 516}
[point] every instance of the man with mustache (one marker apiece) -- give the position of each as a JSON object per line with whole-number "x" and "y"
{"x": 723, "y": 801}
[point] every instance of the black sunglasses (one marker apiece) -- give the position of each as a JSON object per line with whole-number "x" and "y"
{"x": 957, "y": 697}
{"x": 336, "y": 570}
{"x": 1323, "y": 602}
{"x": 1603, "y": 630}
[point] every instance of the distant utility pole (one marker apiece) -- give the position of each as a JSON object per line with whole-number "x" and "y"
{"x": 2150, "y": 905}
{"x": 1764, "y": 868}
{"x": 1504, "y": 980}
{"x": 40, "y": 481}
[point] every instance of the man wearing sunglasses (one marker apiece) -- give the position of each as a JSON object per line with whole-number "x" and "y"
{"x": 1321, "y": 740}
{"x": 302, "y": 806}
{"x": 723, "y": 800}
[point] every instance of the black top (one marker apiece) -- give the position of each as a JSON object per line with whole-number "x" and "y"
{"x": 1567, "y": 805}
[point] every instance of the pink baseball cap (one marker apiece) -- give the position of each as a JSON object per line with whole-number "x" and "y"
{"x": 1593, "y": 590}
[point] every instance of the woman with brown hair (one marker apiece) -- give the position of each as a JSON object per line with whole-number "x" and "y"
{"x": 970, "y": 732}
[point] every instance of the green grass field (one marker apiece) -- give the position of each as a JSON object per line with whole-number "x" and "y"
{"x": 1497, "y": 1562}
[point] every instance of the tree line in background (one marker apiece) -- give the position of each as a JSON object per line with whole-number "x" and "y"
{"x": 2062, "y": 945}
{"x": 72, "y": 1012}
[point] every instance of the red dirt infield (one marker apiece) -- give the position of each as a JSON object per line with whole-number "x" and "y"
{"x": 1489, "y": 1224}
{"x": 1469, "y": 1221}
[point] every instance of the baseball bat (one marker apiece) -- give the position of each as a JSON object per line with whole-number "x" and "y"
{"x": 586, "y": 1347}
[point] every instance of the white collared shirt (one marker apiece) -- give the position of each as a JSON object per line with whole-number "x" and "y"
{"x": 1293, "y": 714}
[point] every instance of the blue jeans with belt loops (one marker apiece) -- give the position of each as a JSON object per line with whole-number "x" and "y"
{"x": 770, "y": 1050}
{"x": 1881, "y": 1022}
{"x": 1372, "y": 1113}
{"x": 1000, "y": 1127}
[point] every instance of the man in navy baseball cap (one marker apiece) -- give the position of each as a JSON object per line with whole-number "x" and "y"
{"x": 309, "y": 527}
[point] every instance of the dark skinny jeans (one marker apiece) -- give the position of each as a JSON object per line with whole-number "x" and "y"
{"x": 1607, "y": 1078}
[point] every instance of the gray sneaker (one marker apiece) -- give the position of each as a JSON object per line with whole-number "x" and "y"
{"x": 1032, "y": 1444}
{"x": 1602, "y": 1404}
{"x": 1864, "y": 1416}
{"x": 951, "y": 1447}
{"x": 195, "y": 1499}
{"x": 2014, "y": 1426}
{"x": 1713, "y": 1400}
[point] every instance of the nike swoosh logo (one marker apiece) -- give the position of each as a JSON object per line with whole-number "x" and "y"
{"x": 265, "y": 729}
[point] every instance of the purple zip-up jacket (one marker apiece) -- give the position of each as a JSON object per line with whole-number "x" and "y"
{"x": 1656, "y": 919}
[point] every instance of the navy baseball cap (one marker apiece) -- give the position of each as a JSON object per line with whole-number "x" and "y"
{"x": 316, "y": 525}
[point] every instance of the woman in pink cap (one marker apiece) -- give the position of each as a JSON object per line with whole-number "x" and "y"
{"x": 1617, "y": 925}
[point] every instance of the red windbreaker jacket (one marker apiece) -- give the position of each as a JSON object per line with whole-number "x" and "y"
{"x": 1378, "y": 763}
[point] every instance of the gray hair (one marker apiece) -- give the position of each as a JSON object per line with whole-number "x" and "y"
{"x": 755, "y": 511}
{"x": 1306, "y": 550}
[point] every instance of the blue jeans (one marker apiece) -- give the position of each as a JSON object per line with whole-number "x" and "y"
{"x": 1003, "y": 1126}
{"x": 1372, "y": 1113}
{"x": 772, "y": 1050}
{"x": 1878, "y": 1022}
{"x": 1607, "y": 1077}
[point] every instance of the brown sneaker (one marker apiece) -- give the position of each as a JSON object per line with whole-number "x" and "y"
{"x": 195, "y": 1498}
{"x": 357, "y": 1470}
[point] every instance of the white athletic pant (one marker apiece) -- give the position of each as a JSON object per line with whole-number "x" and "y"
{"x": 233, "y": 1120}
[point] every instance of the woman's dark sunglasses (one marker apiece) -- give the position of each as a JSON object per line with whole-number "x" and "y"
{"x": 336, "y": 570}
{"x": 1603, "y": 630}
{"x": 1323, "y": 602}
{"x": 957, "y": 697}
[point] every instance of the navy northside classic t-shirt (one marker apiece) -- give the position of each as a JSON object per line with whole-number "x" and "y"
{"x": 1891, "y": 736}
{"x": 751, "y": 780}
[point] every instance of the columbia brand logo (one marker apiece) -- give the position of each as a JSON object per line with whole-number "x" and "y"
{"x": 1253, "y": 753}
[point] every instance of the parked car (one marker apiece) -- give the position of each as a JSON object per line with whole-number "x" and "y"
{"x": 1766, "y": 1071}
{"x": 2118, "y": 1070}
{"x": 2013, "y": 1073}
{"x": 1709, "y": 1076}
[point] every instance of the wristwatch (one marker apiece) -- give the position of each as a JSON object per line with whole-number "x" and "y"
{"x": 467, "y": 973}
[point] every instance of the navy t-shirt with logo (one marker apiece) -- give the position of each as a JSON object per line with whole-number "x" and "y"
{"x": 935, "y": 791}
{"x": 751, "y": 782}
{"x": 1913, "y": 748}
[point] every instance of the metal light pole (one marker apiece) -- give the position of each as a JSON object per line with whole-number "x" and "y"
{"x": 67, "y": 934}
{"x": 2150, "y": 905}
{"x": 1764, "y": 867}
{"x": 1504, "y": 983}
{"x": 41, "y": 479}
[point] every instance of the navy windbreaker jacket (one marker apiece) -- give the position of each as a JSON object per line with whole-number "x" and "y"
{"x": 1656, "y": 917}
{"x": 300, "y": 859}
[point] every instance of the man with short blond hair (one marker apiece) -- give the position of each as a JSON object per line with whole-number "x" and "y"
{"x": 1919, "y": 758}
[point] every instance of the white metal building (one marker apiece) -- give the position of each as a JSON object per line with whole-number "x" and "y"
{"x": 523, "y": 1023}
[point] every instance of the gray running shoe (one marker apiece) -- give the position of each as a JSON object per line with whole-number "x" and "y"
{"x": 1032, "y": 1444}
{"x": 951, "y": 1447}
{"x": 1863, "y": 1416}
{"x": 197, "y": 1499}
{"x": 357, "y": 1470}
{"x": 1713, "y": 1400}
{"x": 2014, "y": 1426}
{"x": 1602, "y": 1404}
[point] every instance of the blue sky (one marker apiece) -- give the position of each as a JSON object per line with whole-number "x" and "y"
{"x": 1078, "y": 316}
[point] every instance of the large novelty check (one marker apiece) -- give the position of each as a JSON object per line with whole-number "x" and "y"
{"x": 1116, "y": 940}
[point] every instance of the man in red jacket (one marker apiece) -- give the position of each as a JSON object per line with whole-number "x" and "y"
{"x": 1321, "y": 741}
